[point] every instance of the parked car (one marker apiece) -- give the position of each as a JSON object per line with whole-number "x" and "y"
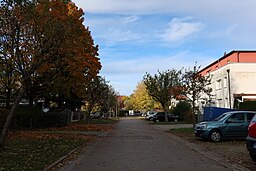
{"x": 251, "y": 139}
{"x": 228, "y": 125}
{"x": 149, "y": 115}
{"x": 96, "y": 115}
{"x": 160, "y": 117}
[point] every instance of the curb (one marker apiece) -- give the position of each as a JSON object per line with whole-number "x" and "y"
{"x": 60, "y": 159}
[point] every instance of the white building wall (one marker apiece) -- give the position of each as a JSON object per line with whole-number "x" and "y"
{"x": 242, "y": 81}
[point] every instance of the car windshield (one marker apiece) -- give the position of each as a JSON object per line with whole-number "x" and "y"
{"x": 221, "y": 117}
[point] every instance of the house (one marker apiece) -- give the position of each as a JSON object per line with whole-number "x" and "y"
{"x": 233, "y": 79}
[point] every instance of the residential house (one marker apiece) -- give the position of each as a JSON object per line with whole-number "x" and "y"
{"x": 233, "y": 79}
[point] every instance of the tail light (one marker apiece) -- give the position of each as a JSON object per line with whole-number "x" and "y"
{"x": 252, "y": 129}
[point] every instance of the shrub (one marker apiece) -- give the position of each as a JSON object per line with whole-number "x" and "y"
{"x": 183, "y": 110}
{"x": 248, "y": 105}
{"x": 32, "y": 117}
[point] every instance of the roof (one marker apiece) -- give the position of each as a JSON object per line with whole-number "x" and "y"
{"x": 225, "y": 56}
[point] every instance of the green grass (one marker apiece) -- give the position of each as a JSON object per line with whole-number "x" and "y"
{"x": 182, "y": 130}
{"x": 24, "y": 154}
{"x": 103, "y": 121}
{"x": 168, "y": 123}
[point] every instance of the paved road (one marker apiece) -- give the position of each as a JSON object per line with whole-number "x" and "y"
{"x": 134, "y": 145}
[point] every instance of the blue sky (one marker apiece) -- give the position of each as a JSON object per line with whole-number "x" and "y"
{"x": 139, "y": 36}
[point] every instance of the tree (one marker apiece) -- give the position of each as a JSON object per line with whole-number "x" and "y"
{"x": 183, "y": 110}
{"x": 141, "y": 100}
{"x": 107, "y": 100}
{"x": 45, "y": 40}
{"x": 195, "y": 85}
{"x": 162, "y": 87}
{"x": 94, "y": 92}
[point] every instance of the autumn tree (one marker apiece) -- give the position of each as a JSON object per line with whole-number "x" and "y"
{"x": 48, "y": 45}
{"x": 141, "y": 100}
{"x": 163, "y": 86}
{"x": 195, "y": 86}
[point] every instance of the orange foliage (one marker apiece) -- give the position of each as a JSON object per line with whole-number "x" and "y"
{"x": 42, "y": 135}
{"x": 73, "y": 131}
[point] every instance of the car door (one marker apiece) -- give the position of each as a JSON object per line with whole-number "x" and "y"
{"x": 235, "y": 125}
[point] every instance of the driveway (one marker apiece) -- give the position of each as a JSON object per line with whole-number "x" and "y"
{"x": 135, "y": 145}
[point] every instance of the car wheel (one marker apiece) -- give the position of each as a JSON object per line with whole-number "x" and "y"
{"x": 253, "y": 157}
{"x": 215, "y": 135}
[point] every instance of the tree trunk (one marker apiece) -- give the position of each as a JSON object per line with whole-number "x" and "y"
{"x": 8, "y": 98}
{"x": 9, "y": 119}
{"x": 165, "y": 112}
{"x": 193, "y": 113}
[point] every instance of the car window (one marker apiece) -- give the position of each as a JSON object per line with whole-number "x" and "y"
{"x": 250, "y": 116}
{"x": 236, "y": 118}
{"x": 221, "y": 117}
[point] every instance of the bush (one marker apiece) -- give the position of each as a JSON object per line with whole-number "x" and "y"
{"x": 248, "y": 105}
{"x": 183, "y": 110}
{"x": 32, "y": 117}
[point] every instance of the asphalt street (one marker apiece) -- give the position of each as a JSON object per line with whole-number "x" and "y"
{"x": 135, "y": 145}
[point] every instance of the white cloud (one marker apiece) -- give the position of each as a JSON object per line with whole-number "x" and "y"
{"x": 113, "y": 36}
{"x": 218, "y": 8}
{"x": 131, "y": 19}
{"x": 180, "y": 29}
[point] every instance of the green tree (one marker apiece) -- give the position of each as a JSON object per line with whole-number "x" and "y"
{"x": 108, "y": 100}
{"x": 183, "y": 110}
{"x": 94, "y": 92}
{"x": 195, "y": 85}
{"x": 163, "y": 86}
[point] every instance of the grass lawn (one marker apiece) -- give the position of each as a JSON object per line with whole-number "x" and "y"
{"x": 168, "y": 123}
{"x": 36, "y": 149}
{"x": 34, "y": 154}
{"x": 103, "y": 121}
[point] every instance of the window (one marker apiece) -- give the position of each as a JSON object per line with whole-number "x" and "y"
{"x": 250, "y": 116}
{"x": 225, "y": 82}
{"x": 218, "y": 84}
{"x": 236, "y": 118}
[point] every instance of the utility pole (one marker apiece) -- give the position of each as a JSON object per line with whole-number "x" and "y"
{"x": 229, "y": 93}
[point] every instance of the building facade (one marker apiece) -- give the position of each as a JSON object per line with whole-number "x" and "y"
{"x": 233, "y": 79}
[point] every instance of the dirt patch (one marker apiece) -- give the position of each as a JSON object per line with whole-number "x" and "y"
{"x": 232, "y": 151}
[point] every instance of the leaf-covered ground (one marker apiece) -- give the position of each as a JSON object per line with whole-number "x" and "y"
{"x": 37, "y": 149}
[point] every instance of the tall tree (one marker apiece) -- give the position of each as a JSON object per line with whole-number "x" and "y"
{"x": 195, "y": 85}
{"x": 94, "y": 91}
{"x": 162, "y": 87}
{"x": 141, "y": 100}
{"x": 108, "y": 100}
{"x": 45, "y": 39}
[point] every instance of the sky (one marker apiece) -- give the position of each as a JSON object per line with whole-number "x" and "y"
{"x": 136, "y": 37}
